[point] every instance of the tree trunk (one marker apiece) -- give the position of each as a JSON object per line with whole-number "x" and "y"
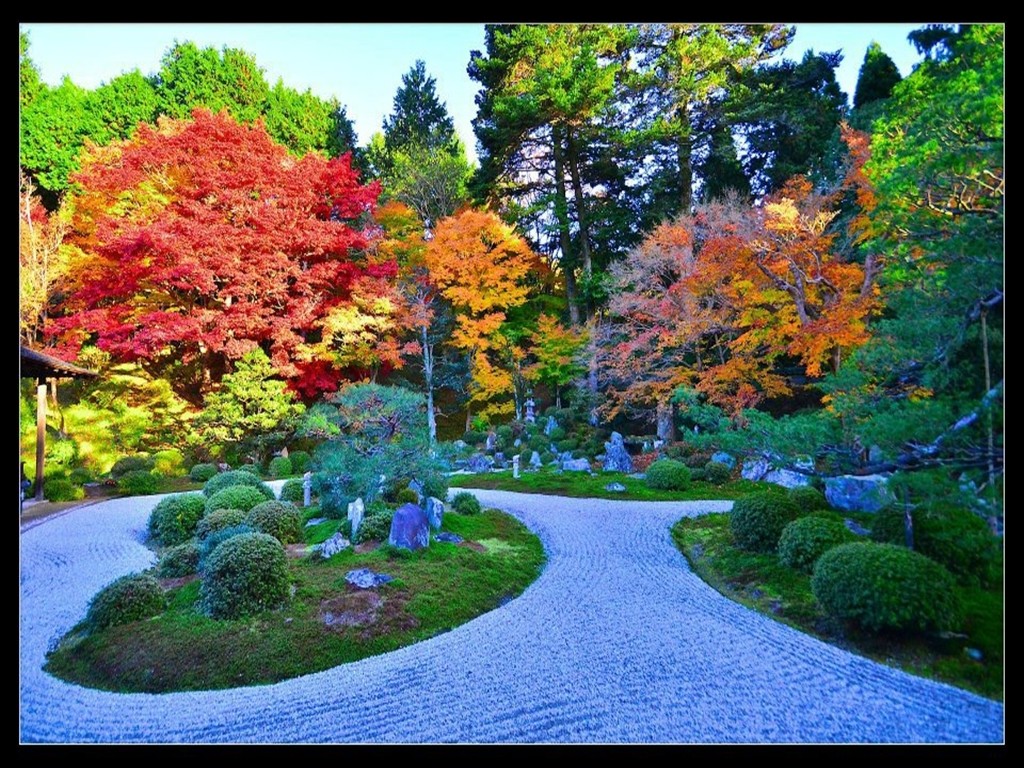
{"x": 568, "y": 260}
{"x": 40, "y": 436}
{"x": 683, "y": 159}
{"x": 988, "y": 387}
{"x": 581, "y": 215}
{"x": 428, "y": 378}
{"x": 666, "y": 429}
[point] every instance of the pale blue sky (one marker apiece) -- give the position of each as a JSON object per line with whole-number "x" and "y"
{"x": 362, "y": 64}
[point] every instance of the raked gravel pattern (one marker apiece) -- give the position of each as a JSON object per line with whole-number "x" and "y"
{"x": 616, "y": 642}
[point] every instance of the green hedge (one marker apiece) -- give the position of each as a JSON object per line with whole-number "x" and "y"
{"x": 244, "y": 575}
{"x": 757, "y": 520}
{"x": 169, "y": 463}
{"x": 138, "y": 482}
{"x": 465, "y": 504}
{"x": 236, "y": 477}
{"x": 174, "y": 518}
{"x": 131, "y": 464}
{"x": 218, "y": 520}
{"x": 280, "y": 466}
{"x": 59, "y": 489}
{"x": 243, "y": 497}
{"x": 202, "y": 472}
{"x": 300, "y": 462}
{"x": 292, "y": 491}
{"x": 130, "y": 598}
{"x": 808, "y": 499}
{"x": 179, "y": 560}
{"x": 279, "y": 519}
{"x": 803, "y": 541}
{"x": 668, "y": 475}
{"x": 717, "y": 473}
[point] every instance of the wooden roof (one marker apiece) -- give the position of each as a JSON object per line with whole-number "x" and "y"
{"x": 36, "y": 365}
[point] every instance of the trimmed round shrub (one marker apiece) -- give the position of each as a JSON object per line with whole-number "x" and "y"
{"x": 236, "y": 477}
{"x": 179, "y": 560}
{"x": 465, "y": 504}
{"x": 174, "y": 519}
{"x": 205, "y": 546}
{"x": 668, "y": 475}
{"x": 280, "y": 466}
{"x": 130, "y": 598}
{"x": 131, "y": 464}
{"x": 717, "y": 473}
{"x": 277, "y": 518}
{"x": 375, "y": 527}
{"x": 138, "y": 482}
{"x": 252, "y": 469}
{"x": 558, "y": 433}
{"x": 300, "y": 462}
{"x": 218, "y": 519}
{"x": 61, "y": 489}
{"x": 243, "y": 497}
{"x": 436, "y": 484}
{"x": 292, "y": 490}
{"x": 804, "y": 540}
{"x": 757, "y": 520}
{"x": 952, "y": 536}
{"x": 80, "y": 476}
{"x": 881, "y": 587}
{"x": 202, "y": 472}
{"x": 570, "y": 444}
{"x": 642, "y": 461}
{"x": 244, "y": 575}
{"x": 406, "y": 496}
{"x": 696, "y": 459}
{"x": 169, "y": 463}
{"x": 808, "y": 499}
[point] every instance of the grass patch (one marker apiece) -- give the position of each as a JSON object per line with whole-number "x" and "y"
{"x": 581, "y": 485}
{"x": 434, "y": 590}
{"x": 760, "y": 582}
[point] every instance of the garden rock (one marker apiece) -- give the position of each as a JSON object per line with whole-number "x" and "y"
{"x": 460, "y": 445}
{"x": 364, "y": 578}
{"x": 417, "y": 486}
{"x": 576, "y": 465}
{"x": 616, "y": 458}
{"x": 315, "y": 521}
{"x": 551, "y": 426}
{"x": 410, "y": 528}
{"x": 356, "y": 510}
{"x": 787, "y": 478}
{"x": 615, "y": 487}
{"x": 535, "y": 460}
{"x": 875, "y": 455}
{"x": 854, "y": 527}
{"x": 724, "y": 458}
{"x": 435, "y": 512}
{"x": 490, "y": 441}
{"x": 858, "y": 493}
{"x": 479, "y": 463}
{"x": 755, "y": 468}
{"x": 517, "y": 442}
{"x": 337, "y": 543}
{"x": 451, "y": 538}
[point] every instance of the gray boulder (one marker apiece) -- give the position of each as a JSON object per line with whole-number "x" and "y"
{"x": 858, "y": 493}
{"x": 535, "y": 461}
{"x": 854, "y": 527}
{"x": 435, "y": 512}
{"x": 479, "y": 463}
{"x": 356, "y": 510}
{"x": 616, "y": 458}
{"x": 615, "y": 487}
{"x": 875, "y": 455}
{"x": 787, "y": 478}
{"x": 364, "y": 578}
{"x": 724, "y": 458}
{"x": 575, "y": 465}
{"x": 451, "y": 538}
{"x": 410, "y": 528}
{"x": 337, "y": 543}
{"x": 491, "y": 441}
{"x": 550, "y": 426}
{"x": 517, "y": 442}
{"x": 416, "y": 485}
{"x": 755, "y": 468}
{"x": 460, "y": 445}
{"x": 315, "y": 521}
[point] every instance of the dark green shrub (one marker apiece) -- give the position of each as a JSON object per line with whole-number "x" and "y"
{"x": 169, "y": 463}
{"x": 569, "y": 444}
{"x": 244, "y": 575}
{"x": 174, "y": 519}
{"x": 219, "y": 519}
{"x": 717, "y": 473}
{"x": 251, "y": 469}
{"x": 280, "y": 519}
{"x": 804, "y": 540}
{"x": 280, "y": 466}
{"x": 885, "y": 587}
{"x": 300, "y": 462}
{"x": 243, "y": 497}
{"x": 952, "y": 536}
{"x": 205, "y": 546}
{"x": 540, "y": 444}
{"x": 668, "y": 475}
{"x": 292, "y": 490}
{"x": 757, "y": 520}
{"x": 698, "y": 474}
{"x": 558, "y": 433}
{"x": 179, "y": 560}
{"x": 131, "y": 464}
{"x": 80, "y": 476}
{"x": 696, "y": 459}
{"x": 236, "y": 477}
{"x": 465, "y": 504}
{"x": 474, "y": 438}
{"x": 376, "y": 526}
{"x": 504, "y": 437}
{"x": 436, "y": 485}
{"x": 60, "y": 489}
{"x": 138, "y": 482}
{"x": 200, "y": 473}
{"x": 808, "y": 499}
{"x": 406, "y": 496}
{"x": 130, "y": 598}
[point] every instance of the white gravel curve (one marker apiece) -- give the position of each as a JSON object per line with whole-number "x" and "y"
{"x": 616, "y": 642}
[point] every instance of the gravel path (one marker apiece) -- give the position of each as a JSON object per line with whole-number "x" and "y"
{"x": 616, "y": 642}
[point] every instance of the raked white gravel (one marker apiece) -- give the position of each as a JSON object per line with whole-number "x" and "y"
{"x": 616, "y": 642}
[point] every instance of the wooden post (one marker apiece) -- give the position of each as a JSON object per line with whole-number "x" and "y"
{"x": 40, "y": 435}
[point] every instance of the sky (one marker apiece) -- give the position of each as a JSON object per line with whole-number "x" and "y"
{"x": 362, "y": 64}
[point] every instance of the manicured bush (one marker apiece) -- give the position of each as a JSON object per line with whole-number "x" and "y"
{"x": 505, "y": 437}
{"x": 556, "y": 434}
{"x": 60, "y": 489}
{"x": 131, "y": 464}
{"x": 130, "y": 598}
{"x": 174, "y": 519}
{"x": 292, "y": 490}
{"x": 80, "y": 476}
{"x": 300, "y": 462}
{"x": 696, "y": 459}
{"x": 138, "y": 482}
{"x": 169, "y": 463}
{"x": 251, "y": 469}
{"x": 179, "y": 560}
{"x": 436, "y": 484}
{"x": 244, "y": 575}
{"x": 202, "y": 472}
{"x": 668, "y": 475}
{"x": 474, "y": 438}
{"x": 376, "y": 526}
{"x": 218, "y": 520}
{"x": 698, "y": 474}
{"x": 280, "y": 466}
{"x": 465, "y": 504}
{"x": 236, "y": 477}
{"x": 243, "y": 497}
{"x": 206, "y": 545}
{"x": 804, "y": 540}
{"x": 808, "y": 499}
{"x": 569, "y": 444}
{"x": 540, "y": 443}
{"x": 717, "y": 473}
{"x": 406, "y": 496}
{"x": 757, "y": 520}
{"x": 644, "y": 460}
{"x": 280, "y": 519}
{"x": 885, "y": 587}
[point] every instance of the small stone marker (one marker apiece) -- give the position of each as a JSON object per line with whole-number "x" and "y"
{"x": 451, "y": 538}
{"x": 615, "y": 487}
{"x": 435, "y": 512}
{"x": 515, "y": 466}
{"x": 307, "y": 488}
{"x": 356, "y": 510}
{"x": 531, "y": 415}
{"x": 551, "y": 426}
{"x": 535, "y": 460}
{"x": 315, "y": 521}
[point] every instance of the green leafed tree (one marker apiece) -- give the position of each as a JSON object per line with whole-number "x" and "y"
{"x": 419, "y": 117}
{"x": 29, "y": 84}
{"x": 119, "y": 106}
{"x": 877, "y": 77}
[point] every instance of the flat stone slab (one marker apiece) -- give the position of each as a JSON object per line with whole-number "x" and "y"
{"x": 451, "y": 538}
{"x": 364, "y": 578}
{"x": 315, "y": 521}
{"x": 615, "y": 487}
